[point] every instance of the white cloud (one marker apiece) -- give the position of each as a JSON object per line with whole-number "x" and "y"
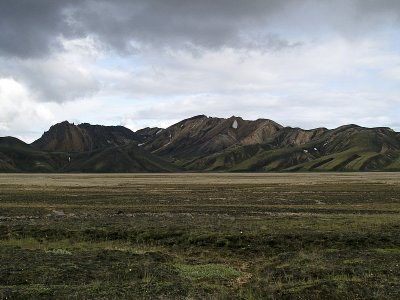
{"x": 19, "y": 114}
{"x": 325, "y": 83}
{"x": 63, "y": 76}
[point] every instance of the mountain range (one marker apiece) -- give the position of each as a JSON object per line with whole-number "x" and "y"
{"x": 204, "y": 144}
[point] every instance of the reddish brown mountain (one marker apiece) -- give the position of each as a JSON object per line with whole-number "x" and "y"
{"x": 67, "y": 137}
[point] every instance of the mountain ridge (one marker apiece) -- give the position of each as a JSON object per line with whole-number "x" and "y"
{"x": 69, "y": 137}
{"x": 204, "y": 144}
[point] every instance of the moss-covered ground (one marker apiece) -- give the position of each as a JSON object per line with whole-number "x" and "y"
{"x": 200, "y": 236}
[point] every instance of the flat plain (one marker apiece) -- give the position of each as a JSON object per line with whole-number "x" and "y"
{"x": 200, "y": 236}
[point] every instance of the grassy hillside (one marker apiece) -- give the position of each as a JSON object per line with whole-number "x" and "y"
{"x": 17, "y": 156}
{"x": 129, "y": 158}
{"x": 348, "y": 148}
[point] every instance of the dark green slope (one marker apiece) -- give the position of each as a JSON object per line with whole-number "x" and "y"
{"x": 128, "y": 158}
{"x": 354, "y": 148}
{"x": 17, "y": 156}
{"x": 347, "y": 148}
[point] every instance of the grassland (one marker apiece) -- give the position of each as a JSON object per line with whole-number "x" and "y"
{"x": 200, "y": 236}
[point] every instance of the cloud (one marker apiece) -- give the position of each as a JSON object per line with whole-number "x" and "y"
{"x": 135, "y": 25}
{"x": 150, "y": 63}
{"x": 60, "y": 77}
{"x": 353, "y": 66}
{"x": 33, "y": 28}
{"x": 308, "y": 86}
{"x": 360, "y": 109}
{"x": 19, "y": 114}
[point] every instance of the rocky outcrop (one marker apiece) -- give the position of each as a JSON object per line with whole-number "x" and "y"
{"x": 67, "y": 137}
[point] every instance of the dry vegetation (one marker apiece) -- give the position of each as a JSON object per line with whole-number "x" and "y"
{"x": 200, "y": 236}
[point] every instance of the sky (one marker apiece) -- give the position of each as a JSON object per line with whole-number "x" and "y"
{"x": 139, "y": 63}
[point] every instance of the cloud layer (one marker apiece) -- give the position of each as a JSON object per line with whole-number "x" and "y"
{"x": 146, "y": 63}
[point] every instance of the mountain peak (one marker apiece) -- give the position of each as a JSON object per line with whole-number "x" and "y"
{"x": 194, "y": 118}
{"x": 67, "y": 137}
{"x": 63, "y": 123}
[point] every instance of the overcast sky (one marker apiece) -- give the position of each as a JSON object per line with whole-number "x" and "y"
{"x": 152, "y": 63}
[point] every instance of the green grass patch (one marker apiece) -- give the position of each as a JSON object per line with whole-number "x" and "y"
{"x": 388, "y": 250}
{"x": 207, "y": 271}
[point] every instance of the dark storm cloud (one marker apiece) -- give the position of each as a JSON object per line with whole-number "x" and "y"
{"x": 174, "y": 23}
{"x": 376, "y": 6}
{"x": 32, "y": 28}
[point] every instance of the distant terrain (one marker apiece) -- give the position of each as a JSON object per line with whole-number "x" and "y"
{"x": 204, "y": 144}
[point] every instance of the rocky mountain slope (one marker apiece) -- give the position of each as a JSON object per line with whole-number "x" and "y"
{"x": 234, "y": 144}
{"x": 203, "y": 143}
{"x": 200, "y": 135}
{"x": 84, "y": 137}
